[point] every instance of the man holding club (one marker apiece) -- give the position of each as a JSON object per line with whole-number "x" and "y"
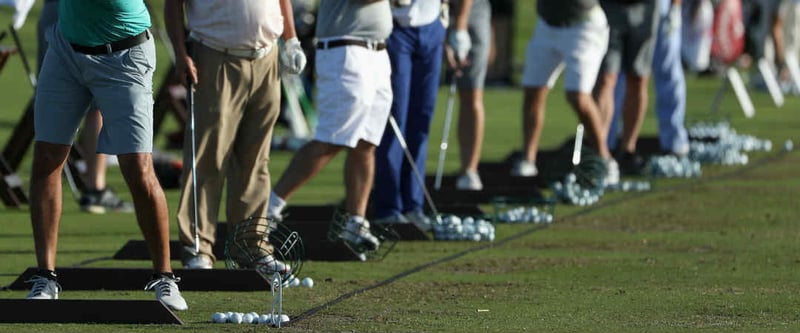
{"x": 354, "y": 98}
{"x": 415, "y": 49}
{"x": 103, "y": 54}
{"x": 569, "y": 36}
{"x": 232, "y": 62}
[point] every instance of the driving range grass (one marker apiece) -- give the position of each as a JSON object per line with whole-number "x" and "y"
{"x": 714, "y": 254}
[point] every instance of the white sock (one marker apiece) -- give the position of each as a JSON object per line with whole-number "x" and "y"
{"x": 276, "y": 204}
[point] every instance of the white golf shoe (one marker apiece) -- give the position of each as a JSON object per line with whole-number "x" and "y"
{"x": 167, "y": 292}
{"x": 469, "y": 181}
{"x": 199, "y": 262}
{"x": 524, "y": 168}
{"x": 43, "y": 288}
{"x": 356, "y": 233}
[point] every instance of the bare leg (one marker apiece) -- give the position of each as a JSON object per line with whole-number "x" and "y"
{"x": 587, "y": 111}
{"x": 95, "y": 162}
{"x": 151, "y": 206}
{"x": 533, "y": 120}
{"x": 604, "y": 95}
{"x": 633, "y": 111}
{"x": 470, "y": 128}
{"x": 305, "y": 164}
{"x": 48, "y": 162}
{"x": 359, "y": 172}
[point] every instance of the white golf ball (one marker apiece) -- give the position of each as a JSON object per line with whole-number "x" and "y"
{"x": 235, "y": 318}
{"x": 788, "y": 145}
{"x": 284, "y": 318}
{"x": 307, "y": 282}
{"x": 219, "y": 317}
{"x": 294, "y": 281}
{"x": 248, "y": 318}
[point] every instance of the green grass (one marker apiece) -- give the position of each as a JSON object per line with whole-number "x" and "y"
{"x": 715, "y": 254}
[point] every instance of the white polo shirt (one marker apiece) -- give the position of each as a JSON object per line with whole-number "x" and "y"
{"x": 419, "y": 13}
{"x": 240, "y": 24}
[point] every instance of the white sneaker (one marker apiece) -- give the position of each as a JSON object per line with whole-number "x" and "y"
{"x": 420, "y": 219}
{"x": 199, "y": 261}
{"x": 524, "y": 168}
{"x": 43, "y": 288}
{"x": 167, "y": 292}
{"x": 357, "y": 235}
{"x": 612, "y": 175}
{"x": 469, "y": 181}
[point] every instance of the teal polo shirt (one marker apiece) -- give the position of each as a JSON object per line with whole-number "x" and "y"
{"x": 98, "y": 22}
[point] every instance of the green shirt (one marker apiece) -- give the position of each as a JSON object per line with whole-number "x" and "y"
{"x": 98, "y": 22}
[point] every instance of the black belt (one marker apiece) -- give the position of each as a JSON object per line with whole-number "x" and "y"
{"x": 113, "y": 46}
{"x": 379, "y": 46}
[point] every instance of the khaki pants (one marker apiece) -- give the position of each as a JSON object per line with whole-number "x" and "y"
{"x": 237, "y": 102}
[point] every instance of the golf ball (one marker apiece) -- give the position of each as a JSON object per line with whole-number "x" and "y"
{"x": 788, "y": 145}
{"x": 248, "y": 318}
{"x": 235, "y": 318}
{"x": 307, "y": 282}
{"x": 219, "y": 317}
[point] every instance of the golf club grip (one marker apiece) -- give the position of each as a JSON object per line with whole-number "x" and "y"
{"x": 576, "y": 152}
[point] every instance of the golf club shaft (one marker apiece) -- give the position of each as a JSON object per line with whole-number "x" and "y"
{"x": 190, "y": 101}
{"x": 448, "y": 119}
{"x": 413, "y": 164}
{"x": 31, "y": 75}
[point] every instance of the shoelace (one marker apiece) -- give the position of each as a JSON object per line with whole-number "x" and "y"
{"x": 40, "y": 284}
{"x": 162, "y": 285}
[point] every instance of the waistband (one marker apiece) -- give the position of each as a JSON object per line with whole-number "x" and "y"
{"x": 333, "y": 43}
{"x": 251, "y": 54}
{"x": 112, "y": 47}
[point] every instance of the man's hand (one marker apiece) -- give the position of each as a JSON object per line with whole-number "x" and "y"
{"x": 185, "y": 70}
{"x": 293, "y": 60}
{"x": 461, "y": 43}
{"x": 673, "y": 23}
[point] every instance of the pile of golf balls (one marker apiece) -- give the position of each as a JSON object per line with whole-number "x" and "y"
{"x": 670, "y": 166}
{"x": 571, "y": 192}
{"x": 455, "y": 228}
{"x": 247, "y": 318}
{"x": 728, "y": 148}
{"x": 630, "y": 186}
{"x": 525, "y": 215}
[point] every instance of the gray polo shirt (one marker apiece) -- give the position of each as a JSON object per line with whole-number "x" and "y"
{"x": 564, "y": 12}
{"x": 354, "y": 18}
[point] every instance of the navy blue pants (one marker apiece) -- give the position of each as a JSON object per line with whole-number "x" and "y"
{"x": 416, "y": 56}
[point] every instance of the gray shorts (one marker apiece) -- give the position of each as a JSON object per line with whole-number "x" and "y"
{"x": 120, "y": 84}
{"x": 480, "y": 31}
{"x": 632, "y": 36}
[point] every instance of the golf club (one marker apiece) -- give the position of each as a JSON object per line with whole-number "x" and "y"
{"x": 190, "y": 102}
{"x": 31, "y": 74}
{"x": 414, "y": 168}
{"x": 3, "y": 35}
{"x": 448, "y": 118}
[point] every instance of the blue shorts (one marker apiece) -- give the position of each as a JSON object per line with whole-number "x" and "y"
{"x": 120, "y": 84}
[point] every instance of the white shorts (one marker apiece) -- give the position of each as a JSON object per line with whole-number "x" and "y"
{"x": 354, "y": 95}
{"x": 579, "y": 48}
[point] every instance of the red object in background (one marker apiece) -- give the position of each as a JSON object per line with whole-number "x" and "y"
{"x": 728, "y": 39}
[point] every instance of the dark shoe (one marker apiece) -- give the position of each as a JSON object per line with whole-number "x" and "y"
{"x": 100, "y": 202}
{"x": 631, "y": 164}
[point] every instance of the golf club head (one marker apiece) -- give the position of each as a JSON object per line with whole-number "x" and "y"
{"x": 265, "y": 245}
{"x": 338, "y": 232}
